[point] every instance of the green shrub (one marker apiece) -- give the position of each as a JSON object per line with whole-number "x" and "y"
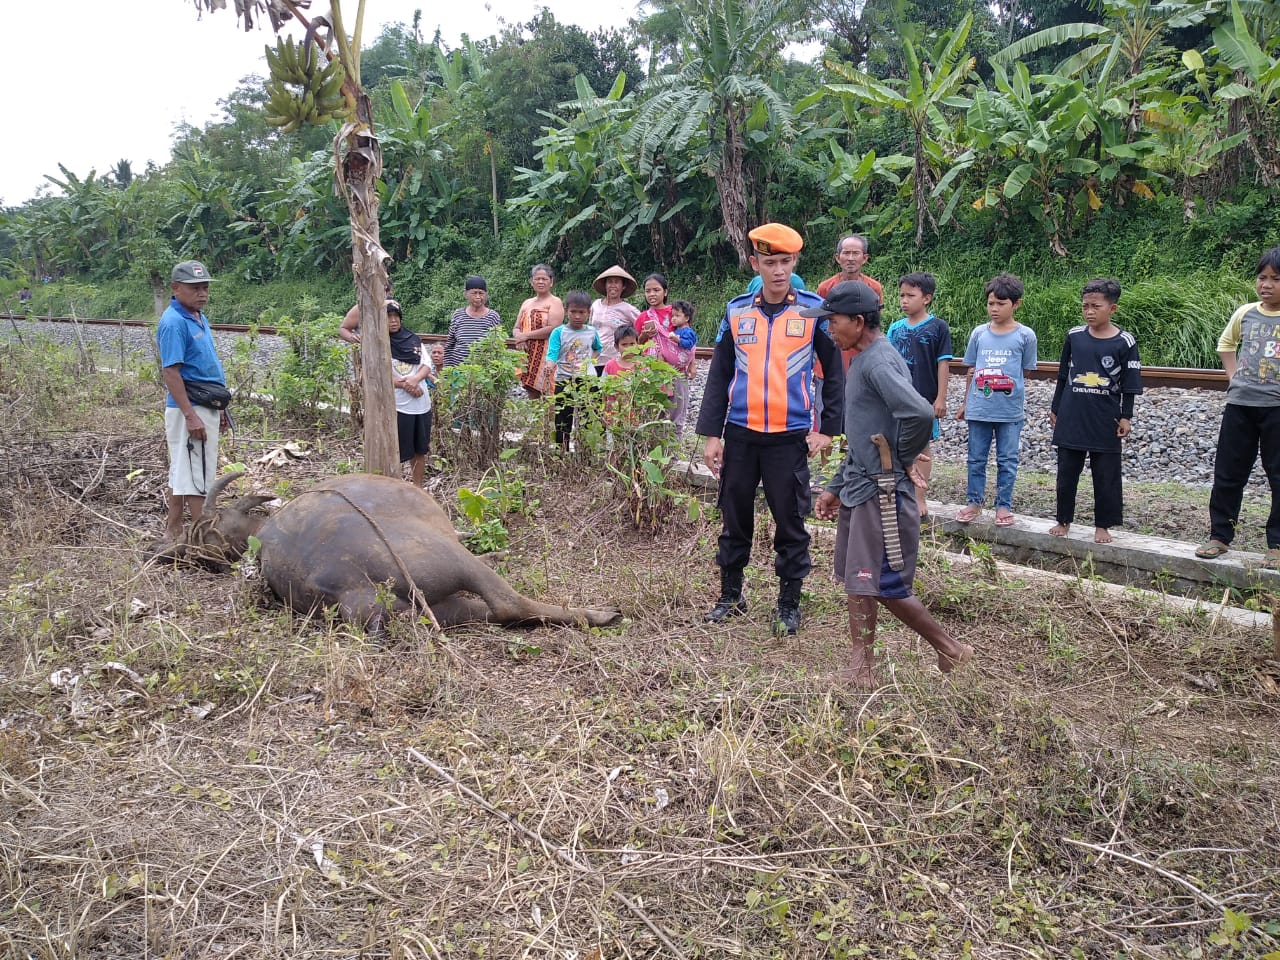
{"x": 315, "y": 369}
{"x": 472, "y": 397}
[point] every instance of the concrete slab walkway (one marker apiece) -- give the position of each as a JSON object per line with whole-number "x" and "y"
{"x": 1138, "y": 559}
{"x": 1133, "y": 558}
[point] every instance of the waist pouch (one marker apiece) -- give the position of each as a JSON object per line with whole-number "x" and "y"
{"x": 206, "y": 393}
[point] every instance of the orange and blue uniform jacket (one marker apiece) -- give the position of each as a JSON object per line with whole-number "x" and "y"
{"x": 761, "y": 371}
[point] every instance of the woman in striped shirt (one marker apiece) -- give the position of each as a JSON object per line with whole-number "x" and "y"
{"x": 470, "y": 323}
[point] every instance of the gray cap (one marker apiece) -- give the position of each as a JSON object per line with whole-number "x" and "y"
{"x": 851, "y": 297}
{"x": 191, "y": 271}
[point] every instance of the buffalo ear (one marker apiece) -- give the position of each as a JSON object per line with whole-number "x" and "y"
{"x": 245, "y": 504}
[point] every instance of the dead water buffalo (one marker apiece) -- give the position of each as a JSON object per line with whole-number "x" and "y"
{"x": 337, "y": 543}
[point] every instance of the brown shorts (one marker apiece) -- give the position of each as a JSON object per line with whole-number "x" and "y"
{"x": 860, "y": 557}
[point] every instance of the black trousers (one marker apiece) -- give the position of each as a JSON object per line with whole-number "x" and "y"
{"x": 781, "y": 463}
{"x": 1245, "y": 432}
{"x": 572, "y": 399}
{"x": 1108, "y": 488}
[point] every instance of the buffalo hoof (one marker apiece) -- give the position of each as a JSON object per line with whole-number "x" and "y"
{"x": 602, "y": 618}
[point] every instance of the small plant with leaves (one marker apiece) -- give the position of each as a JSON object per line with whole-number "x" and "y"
{"x": 314, "y": 372}
{"x": 473, "y": 397}
{"x": 501, "y": 492}
{"x": 640, "y": 440}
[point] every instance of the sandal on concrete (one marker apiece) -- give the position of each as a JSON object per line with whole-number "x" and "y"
{"x": 968, "y": 514}
{"x": 1004, "y": 519}
{"x": 1212, "y": 550}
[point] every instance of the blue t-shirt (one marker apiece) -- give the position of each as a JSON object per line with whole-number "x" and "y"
{"x": 998, "y": 392}
{"x": 185, "y": 338}
{"x": 572, "y": 351}
{"x": 756, "y": 284}
{"x": 686, "y": 337}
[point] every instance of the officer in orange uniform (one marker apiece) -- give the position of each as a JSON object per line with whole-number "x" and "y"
{"x": 756, "y": 416}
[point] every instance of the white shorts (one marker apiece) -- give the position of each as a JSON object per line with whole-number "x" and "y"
{"x": 188, "y": 476}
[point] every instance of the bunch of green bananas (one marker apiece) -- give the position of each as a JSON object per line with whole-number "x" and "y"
{"x": 318, "y": 95}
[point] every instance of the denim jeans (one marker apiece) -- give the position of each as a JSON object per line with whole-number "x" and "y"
{"x": 1006, "y": 436}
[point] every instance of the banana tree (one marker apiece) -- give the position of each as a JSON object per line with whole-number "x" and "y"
{"x": 463, "y": 97}
{"x": 421, "y": 192}
{"x": 727, "y": 50}
{"x": 1131, "y": 29}
{"x": 586, "y": 196}
{"x": 1029, "y": 142}
{"x": 1248, "y": 79}
{"x": 311, "y": 224}
{"x": 933, "y": 82}
{"x": 315, "y": 81}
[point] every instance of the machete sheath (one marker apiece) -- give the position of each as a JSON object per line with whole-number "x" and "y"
{"x": 888, "y": 485}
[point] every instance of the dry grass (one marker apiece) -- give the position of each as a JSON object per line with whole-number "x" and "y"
{"x": 187, "y": 770}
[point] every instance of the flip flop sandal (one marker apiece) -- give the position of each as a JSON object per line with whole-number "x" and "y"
{"x": 1004, "y": 519}
{"x": 968, "y": 514}
{"x": 1212, "y": 550}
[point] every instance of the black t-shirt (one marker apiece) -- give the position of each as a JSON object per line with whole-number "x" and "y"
{"x": 1097, "y": 381}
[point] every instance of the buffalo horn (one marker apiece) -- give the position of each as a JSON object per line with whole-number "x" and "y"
{"x": 211, "y": 498}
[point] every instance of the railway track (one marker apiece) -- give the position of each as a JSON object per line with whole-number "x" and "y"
{"x": 1152, "y": 377}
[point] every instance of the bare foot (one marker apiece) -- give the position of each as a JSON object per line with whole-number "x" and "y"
{"x": 1059, "y": 530}
{"x": 863, "y": 679}
{"x": 861, "y": 671}
{"x": 1100, "y": 535}
{"x": 960, "y": 654}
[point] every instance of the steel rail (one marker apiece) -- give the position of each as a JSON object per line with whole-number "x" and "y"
{"x": 1186, "y": 378}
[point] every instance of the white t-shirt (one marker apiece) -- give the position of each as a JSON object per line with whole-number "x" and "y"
{"x": 401, "y": 368}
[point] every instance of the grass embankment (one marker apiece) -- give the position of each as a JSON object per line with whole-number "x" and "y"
{"x": 188, "y": 769}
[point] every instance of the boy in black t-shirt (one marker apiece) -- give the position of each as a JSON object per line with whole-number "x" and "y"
{"x": 1092, "y": 410}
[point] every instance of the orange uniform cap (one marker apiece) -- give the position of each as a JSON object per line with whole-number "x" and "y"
{"x": 770, "y": 238}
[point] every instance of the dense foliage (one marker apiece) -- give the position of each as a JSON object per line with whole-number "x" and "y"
{"x": 1055, "y": 139}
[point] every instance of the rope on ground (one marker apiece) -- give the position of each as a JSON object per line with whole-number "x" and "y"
{"x": 415, "y": 595}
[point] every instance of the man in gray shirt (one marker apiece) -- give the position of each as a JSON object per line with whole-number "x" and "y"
{"x": 881, "y": 403}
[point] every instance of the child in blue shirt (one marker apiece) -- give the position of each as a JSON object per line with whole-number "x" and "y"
{"x": 925, "y": 343}
{"x": 572, "y": 350}
{"x": 685, "y": 339}
{"x": 994, "y": 402}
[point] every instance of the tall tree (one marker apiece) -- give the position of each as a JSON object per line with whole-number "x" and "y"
{"x": 721, "y": 79}
{"x": 531, "y": 71}
{"x": 357, "y": 167}
{"x": 933, "y": 80}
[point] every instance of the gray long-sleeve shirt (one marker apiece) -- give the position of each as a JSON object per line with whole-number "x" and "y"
{"x": 879, "y": 398}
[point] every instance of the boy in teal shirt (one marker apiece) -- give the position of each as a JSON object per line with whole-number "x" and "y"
{"x": 925, "y": 343}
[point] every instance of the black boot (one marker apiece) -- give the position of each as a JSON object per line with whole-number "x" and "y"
{"x": 730, "y": 603}
{"x": 787, "y": 622}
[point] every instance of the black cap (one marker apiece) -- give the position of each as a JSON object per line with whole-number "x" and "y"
{"x": 393, "y": 306}
{"x": 850, "y": 297}
{"x": 475, "y": 282}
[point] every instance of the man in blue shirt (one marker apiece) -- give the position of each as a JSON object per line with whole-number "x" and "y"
{"x": 187, "y": 354}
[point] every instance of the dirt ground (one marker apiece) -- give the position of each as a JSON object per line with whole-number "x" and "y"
{"x": 187, "y": 769}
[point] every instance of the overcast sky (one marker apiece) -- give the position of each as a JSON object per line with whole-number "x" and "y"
{"x": 91, "y": 83}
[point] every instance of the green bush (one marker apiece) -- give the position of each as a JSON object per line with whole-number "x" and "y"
{"x": 315, "y": 369}
{"x": 472, "y": 398}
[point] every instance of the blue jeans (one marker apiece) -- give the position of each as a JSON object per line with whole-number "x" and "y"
{"x": 1006, "y": 436}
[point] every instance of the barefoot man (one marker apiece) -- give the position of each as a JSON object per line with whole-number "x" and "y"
{"x": 887, "y": 424}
